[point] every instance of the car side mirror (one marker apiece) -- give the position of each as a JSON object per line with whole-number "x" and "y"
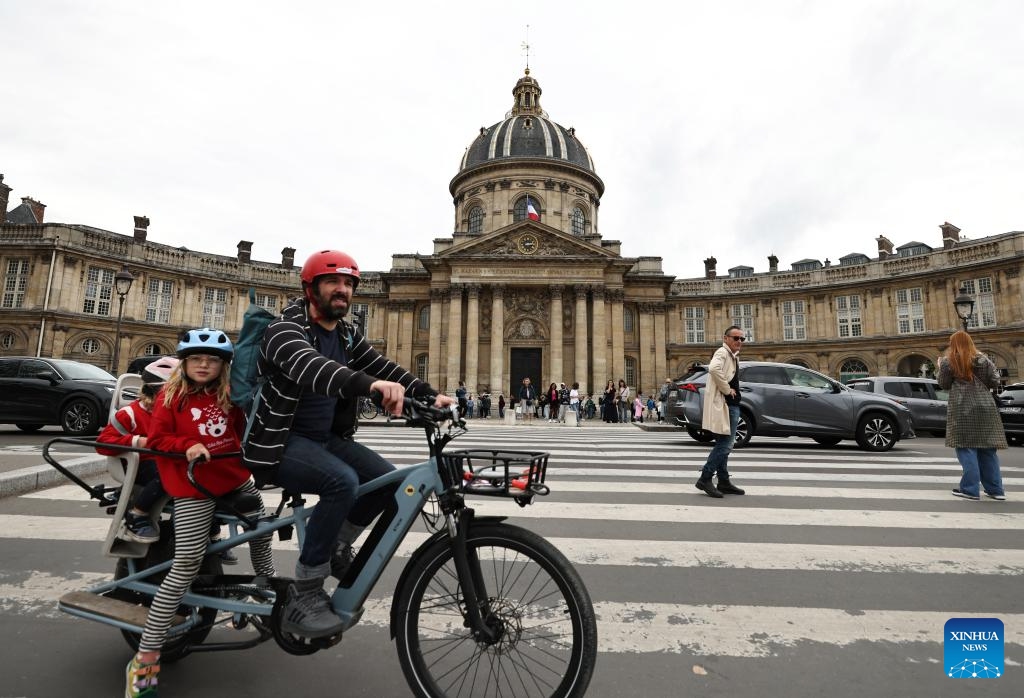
{"x": 47, "y": 376}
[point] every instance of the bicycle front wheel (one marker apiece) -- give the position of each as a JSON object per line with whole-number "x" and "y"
{"x": 367, "y": 410}
{"x": 547, "y": 639}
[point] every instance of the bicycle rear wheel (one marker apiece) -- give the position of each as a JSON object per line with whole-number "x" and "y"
{"x": 367, "y": 410}
{"x": 547, "y": 644}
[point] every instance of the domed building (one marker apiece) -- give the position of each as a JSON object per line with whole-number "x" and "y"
{"x": 526, "y": 286}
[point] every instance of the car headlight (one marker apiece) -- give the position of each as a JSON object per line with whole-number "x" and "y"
{"x": 109, "y": 390}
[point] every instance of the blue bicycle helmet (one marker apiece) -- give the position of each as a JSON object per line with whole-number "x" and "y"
{"x": 205, "y": 341}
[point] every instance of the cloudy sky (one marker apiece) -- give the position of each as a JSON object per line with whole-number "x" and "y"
{"x": 735, "y": 128}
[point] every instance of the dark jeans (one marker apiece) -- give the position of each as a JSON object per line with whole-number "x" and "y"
{"x": 332, "y": 470}
{"x": 718, "y": 459}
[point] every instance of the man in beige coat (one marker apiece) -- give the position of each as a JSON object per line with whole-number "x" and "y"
{"x": 722, "y": 413}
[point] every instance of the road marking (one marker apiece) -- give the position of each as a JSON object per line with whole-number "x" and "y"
{"x": 649, "y": 553}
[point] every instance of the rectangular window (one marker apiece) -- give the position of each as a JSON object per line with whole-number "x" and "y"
{"x": 215, "y": 301}
{"x": 158, "y": 302}
{"x": 848, "y": 315}
{"x": 99, "y": 289}
{"x": 909, "y": 310}
{"x": 267, "y": 301}
{"x": 359, "y": 315}
{"x": 794, "y": 320}
{"x": 984, "y": 302}
{"x": 15, "y": 283}
{"x": 743, "y": 317}
{"x": 693, "y": 325}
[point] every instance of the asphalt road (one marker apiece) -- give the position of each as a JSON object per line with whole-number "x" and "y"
{"x": 834, "y": 574}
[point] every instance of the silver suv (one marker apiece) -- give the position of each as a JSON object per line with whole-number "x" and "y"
{"x": 789, "y": 400}
{"x": 923, "y": 396}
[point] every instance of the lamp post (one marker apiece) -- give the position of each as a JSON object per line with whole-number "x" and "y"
{"x": 122, "y": 284}
{"x": 964, "y": 305}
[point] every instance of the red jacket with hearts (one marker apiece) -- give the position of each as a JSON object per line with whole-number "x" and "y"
{"x": 175, "y": 428}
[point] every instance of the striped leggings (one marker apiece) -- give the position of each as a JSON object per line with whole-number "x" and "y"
{"x": 192, "y": 520}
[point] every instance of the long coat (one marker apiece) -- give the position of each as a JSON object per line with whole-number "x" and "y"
{"x": 972, "y": 418}
{"x": 722, "y": 368}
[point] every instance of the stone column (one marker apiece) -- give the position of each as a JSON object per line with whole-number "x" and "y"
{"x": 497, "y": 344}
{"x": 454, "y": 339}
{"x": 645, "y": 371}
{"x": 582, "y": 340}
{"x": 407, "y": 313}
{"x": 557, "y": 368}
{"x": 660, "y": 348}
{"x": 394, "y": 323}
{"x": 434, "y": 370}
{"x": 618, "y": 351}
{"x": 600, "y": 342}
{"x": 473, "y": 339}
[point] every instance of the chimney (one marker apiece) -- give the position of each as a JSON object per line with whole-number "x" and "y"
{"x": 141, "y": 228}
{"x": 709, "y": 268}
{"x": 244, "y": 251}
{"x": 950, "y": 233}
{"x": 5, "y": 192}
{"x": 288, "y": 258}
{"x": 773, "y": 263}
{"x": 38, "y": 209}
{"x": 884, "y": 247}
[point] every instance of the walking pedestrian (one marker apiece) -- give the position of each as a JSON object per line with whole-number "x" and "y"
{"x": 722, "y": 413}
{"x": 973, "y": 426}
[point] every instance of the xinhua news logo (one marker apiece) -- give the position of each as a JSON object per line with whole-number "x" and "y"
{"x": 973, "y": 648}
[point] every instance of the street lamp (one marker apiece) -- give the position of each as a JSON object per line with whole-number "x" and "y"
{"x": 964, "y": 305}
{"x": 122, "y": 284}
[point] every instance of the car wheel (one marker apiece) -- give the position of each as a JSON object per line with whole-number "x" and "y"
{"x": 705, "y": 437}
{"x": 80, "y": 417}
{"x": 876, "y": 432}
{"x": 744, "y": 430}
{"x": 826, "y": 440}
{"x": 29, "y": 427}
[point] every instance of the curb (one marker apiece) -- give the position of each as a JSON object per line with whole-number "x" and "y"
{"x": 38, "y": 477}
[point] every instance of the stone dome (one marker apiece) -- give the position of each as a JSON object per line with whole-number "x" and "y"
{"x": 526, "y": 132}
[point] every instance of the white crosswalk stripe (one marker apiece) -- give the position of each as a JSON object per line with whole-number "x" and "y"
{"x": 809, "y": 511}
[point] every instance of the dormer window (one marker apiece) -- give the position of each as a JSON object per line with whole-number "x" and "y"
{"x": 741, "y": 272}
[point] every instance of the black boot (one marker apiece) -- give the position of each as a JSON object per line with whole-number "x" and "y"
{"x": 725, "y": 486}
{"x": 708, "y": 485}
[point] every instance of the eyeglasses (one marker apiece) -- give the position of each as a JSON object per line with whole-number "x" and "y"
{"x": 201, "y": 359}
{"x": 738, "y": 338}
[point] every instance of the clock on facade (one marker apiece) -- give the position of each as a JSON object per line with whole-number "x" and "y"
{"x": 528, "y": 243}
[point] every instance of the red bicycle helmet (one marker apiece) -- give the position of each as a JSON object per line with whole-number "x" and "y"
{"x": 329, "y": 262}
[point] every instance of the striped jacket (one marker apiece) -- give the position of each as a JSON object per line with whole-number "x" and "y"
{"x": 291, "y": 364}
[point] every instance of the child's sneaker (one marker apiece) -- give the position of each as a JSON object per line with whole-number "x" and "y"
{"x": 141, "y": 679}
{"x": 138, "y": 528}
{"x": 226, "y": 556}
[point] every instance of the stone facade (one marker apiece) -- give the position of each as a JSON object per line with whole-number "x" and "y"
{"x": 526, "y": 285}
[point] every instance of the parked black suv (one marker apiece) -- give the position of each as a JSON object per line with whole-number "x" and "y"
{"x": 789, "y": 400}
{"x": 1011, "y": 411}
{"x": 35, "y": 392}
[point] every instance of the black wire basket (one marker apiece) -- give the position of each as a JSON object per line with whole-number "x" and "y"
{"x": 515, "y": 474}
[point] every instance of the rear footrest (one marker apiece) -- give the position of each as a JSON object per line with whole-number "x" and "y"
{"x": 84, "y": 603}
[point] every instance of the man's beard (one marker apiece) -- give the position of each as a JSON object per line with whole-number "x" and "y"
{"x": 327, "y": 310}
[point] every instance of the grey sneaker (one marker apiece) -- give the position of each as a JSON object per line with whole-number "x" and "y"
{"x": 998, "y": 497}
{"x": 138, "y": 528}
{"x": 307, "y": 611}
{"x": 964, "y": 495}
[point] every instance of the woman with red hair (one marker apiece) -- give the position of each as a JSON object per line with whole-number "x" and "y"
{"x": 973, "y": 426}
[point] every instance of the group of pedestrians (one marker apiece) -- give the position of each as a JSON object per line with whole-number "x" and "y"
{"x": 559, "y": 404}
{"x": 480, "y": 407}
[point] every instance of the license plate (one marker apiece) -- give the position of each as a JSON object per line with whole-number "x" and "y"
{"x": 1009, "y": 410}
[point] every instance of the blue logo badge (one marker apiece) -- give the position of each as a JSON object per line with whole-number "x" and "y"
{"x": 973, "y": 648}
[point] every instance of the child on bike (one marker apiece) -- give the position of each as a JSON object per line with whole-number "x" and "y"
{"x": 129, "y": 427}
{"x": 193, "y": 416}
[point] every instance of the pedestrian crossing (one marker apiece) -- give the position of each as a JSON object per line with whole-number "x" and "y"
{"x": 832, "y": 547}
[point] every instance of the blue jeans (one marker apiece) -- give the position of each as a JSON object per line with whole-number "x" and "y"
{"x": 979, "y": 464}
{"x": 718, "y": 459}
{"x": 332, "y": 470}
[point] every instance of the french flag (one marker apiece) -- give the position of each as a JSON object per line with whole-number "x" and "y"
{"x": 531, "y": 212}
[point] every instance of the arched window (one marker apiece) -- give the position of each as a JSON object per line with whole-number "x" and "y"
{"x": 424, "y": 318}
{"x": 627, "y": 321}
{"x": 7, "y": 340}
{"x": 153, "y": 350}
{"x": 520, "y": 211}
{"x": 852, "y": 368}
{"x": 90, "y": 346}
{"x": 421, "y": 367}
{"x": 579, "y": 221}
{"x": 476, "y": 220}
{"x": 631, "y": 372}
